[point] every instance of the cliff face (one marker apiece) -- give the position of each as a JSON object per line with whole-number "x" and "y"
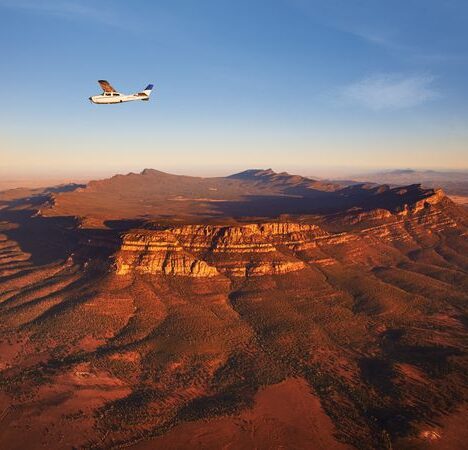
{"x": 207, "y": 250}
{"x": 159, "y": 252}
{"x": 275, "y": 248}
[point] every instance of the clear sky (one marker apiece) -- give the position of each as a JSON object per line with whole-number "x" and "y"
{"x": 297, "y": 85}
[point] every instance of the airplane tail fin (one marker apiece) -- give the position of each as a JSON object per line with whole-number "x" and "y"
{"x": 147, "y": 91}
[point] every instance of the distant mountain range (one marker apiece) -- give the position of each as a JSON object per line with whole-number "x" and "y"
{"x": 254, "y": 193}
{"x": 453, "y": 183}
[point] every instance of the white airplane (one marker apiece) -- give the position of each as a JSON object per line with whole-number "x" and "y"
{"x": 110, "y": 95}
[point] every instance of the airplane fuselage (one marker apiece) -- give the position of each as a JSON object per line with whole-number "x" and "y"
{"x": 115, "y": 97}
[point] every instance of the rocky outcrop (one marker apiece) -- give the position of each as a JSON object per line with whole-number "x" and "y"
{"x": 157, "y": 263}
{"x": 209, "y": 250}
{"x": 438, "y": 197}
{"x": 275, "y": 248}
{"x": 159, "y": 253}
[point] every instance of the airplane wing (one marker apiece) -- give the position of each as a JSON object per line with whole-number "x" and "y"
{"x": 106, "y": 87}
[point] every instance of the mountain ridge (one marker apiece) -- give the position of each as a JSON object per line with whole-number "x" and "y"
{"x": 255, "y": 193}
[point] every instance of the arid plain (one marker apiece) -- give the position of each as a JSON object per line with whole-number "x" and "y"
{"x": 261, "y": 310}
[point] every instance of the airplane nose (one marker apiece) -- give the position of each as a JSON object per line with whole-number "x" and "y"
{"x": 91, "y": 99}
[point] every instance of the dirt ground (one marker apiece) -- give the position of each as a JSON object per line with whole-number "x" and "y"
{"x": 284, "y": 415}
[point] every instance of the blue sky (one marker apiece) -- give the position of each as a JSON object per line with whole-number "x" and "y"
{"x": 303, "y": 86}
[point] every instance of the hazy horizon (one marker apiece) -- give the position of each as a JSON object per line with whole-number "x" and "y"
{"x": 323, "y": 171}
{"x": 12, "y": 180}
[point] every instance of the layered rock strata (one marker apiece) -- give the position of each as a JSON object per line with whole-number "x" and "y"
{"x": 274, "y": 248}
{"x": 208, "y": 250}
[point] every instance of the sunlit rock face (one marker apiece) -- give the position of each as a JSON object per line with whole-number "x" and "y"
{"x": 274, "y": 248}
{"x": 207, "y": 251}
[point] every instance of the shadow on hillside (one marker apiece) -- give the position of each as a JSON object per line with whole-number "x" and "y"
{"x": 311, "y": 201}
{"x": 124, "y": 224}
{"x": 49, "y": 239}
{"x": 46, "y": 239}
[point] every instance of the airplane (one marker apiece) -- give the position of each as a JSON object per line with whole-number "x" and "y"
{"x": 110, "y": 95}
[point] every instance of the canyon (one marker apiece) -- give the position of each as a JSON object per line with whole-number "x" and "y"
{"x": 262, "y": 310}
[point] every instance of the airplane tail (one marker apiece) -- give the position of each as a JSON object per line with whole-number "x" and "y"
{"x": 147, "y": 91}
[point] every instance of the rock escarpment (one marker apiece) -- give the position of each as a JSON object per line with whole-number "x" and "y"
{"x": 209, "y": 250}
{"x": 274, "y": 248}
{"x": 159, "y": 252}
